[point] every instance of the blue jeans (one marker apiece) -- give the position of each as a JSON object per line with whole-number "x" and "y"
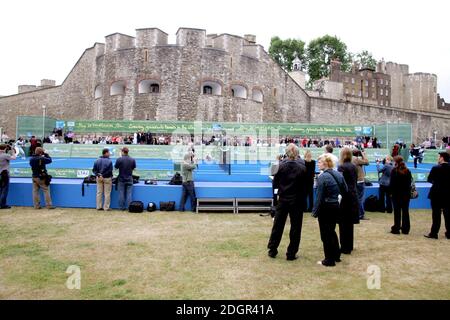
{"x": 125, "y": 189}
{"x": 4, "y": 188}
{"x": 188, "y": 191}
{"x": 360, "y": 191}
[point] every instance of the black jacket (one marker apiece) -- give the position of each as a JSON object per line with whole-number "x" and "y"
{"x": 400, "y": 184}
{"x": 440, "y": 178}
{"x": 349, "y": 203}
{"x": 310, "y": 172}
{"x": 291, "y": 181}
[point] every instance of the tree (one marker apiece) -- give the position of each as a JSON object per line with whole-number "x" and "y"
{"x": 285, "y": 51}
{"x": 365, "y": 60}
{"x": 321, "y": 51}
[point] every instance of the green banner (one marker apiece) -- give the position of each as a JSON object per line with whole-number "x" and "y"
{"x": 292, "y": 129}
{"x": 81, "y": 173}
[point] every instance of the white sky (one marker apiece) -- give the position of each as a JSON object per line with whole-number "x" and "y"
{"x": 44, "y": 39}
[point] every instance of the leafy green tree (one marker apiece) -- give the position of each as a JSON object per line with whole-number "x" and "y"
{"x": 365, "y": 60}
{"x": 321, "y": 51}
{"x": 285, "y": 51}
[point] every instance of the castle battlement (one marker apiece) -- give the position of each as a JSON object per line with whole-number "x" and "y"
{"x": 186, "y": 37}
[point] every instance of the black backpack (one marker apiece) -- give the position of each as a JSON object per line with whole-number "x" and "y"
{"x": 136, "y": 207}
{"x": 177, "y": 179}
{"x": 151, "y": 207}
{"x": 371, "y": 204}
{"x": 167, "y": 206}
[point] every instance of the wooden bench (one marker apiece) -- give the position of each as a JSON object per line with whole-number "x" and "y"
{"x": 216, "y": 204}
{"x": 253, "y": 204}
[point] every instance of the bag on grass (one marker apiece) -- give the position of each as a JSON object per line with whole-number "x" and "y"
{"x": 167, "y": 206}
{"x": 136, "y": 207}
{"x": 371, "y": 204}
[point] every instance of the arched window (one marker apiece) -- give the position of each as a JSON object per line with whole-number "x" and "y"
{"x": 98, "y": 92}
{"x": 211, "y": 87}
{"x": 207, "y": 90}
{"x": 257, "y": 95}
{"x": 239, "y": 91}
{"x": 154, "y": 88}
{"x": 118, "y": 88}
{"x": 148, "y": 86}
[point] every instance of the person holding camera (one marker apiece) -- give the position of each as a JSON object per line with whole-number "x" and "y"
{"x": 103, "y": 170}
{"x": 5, "y": 157}
{"x": 290, "y": 181}
{"x": 360, "y": 160}
{"x": 41, "y": 179}
{"x": 349, "y": 204}
{"x": 384, "y": 194}
{"x": 187, "y": 168}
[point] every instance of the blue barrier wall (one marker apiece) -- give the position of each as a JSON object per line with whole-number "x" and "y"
{"x": 66, "y": 193}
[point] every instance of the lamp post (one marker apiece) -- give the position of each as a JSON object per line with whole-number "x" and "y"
{"x": 43, "y": 123}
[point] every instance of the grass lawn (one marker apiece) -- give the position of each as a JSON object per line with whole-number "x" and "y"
{"x": 208, "y": 256}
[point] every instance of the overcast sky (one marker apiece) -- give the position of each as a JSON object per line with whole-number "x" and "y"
{"x": 44, "y": 39}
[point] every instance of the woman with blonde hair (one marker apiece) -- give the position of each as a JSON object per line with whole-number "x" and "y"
{"x": 349, "y": 204}
{"x": 310, "y": 174}
{"x": 330, "y": 185}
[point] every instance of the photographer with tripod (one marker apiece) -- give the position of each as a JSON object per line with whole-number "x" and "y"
{"x": 6, "y": 155}
{"x": 41, "y": 179}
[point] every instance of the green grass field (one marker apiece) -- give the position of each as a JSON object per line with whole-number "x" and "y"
{"x": 208, "y": 256}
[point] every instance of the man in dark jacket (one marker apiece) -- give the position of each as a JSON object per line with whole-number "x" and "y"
{"x": 439, "y": 195}
{"x": 290, "y": 181}
{"x": 103, "y": 170}
{"x": 41, "y": 178}
{"x": 126, "y": 165}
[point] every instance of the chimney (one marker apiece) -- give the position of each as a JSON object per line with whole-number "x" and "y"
{"x": 251, "y": 38}
{"x": 47, "y": 83}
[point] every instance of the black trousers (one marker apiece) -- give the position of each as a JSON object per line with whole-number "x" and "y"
{"x": 188, "y": 191}
{"x": 295, "y": 212}
{"x": 385, "y": 199}
{"x": 309, "y": 198}
{"x": 438, "y": 207}
{"x": 401, "y": 214}
{"x": 327, "y": 225}
{"x": 415, "y": 161}
{"x": 346, "y": 235}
